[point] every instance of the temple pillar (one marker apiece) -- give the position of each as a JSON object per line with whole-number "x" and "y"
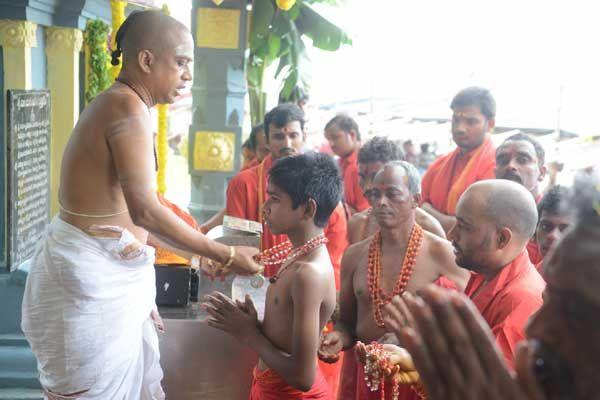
{"x": 218, "y": 90}
{"x": 17, "y": 38}
{"x": 62, "y": 51}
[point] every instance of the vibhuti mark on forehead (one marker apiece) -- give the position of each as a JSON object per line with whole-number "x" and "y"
{"x": 184, "y": 50}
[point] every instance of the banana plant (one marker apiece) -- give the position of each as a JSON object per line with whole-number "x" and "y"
{"x": 276, "y": 31}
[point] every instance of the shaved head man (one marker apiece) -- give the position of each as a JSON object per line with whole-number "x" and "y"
{"x": 90, "y": 291}
{"x": 495, "y": 219}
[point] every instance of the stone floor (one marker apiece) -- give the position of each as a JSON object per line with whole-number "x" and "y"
{"x": 21, "y": 394}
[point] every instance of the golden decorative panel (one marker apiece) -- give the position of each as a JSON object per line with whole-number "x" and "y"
{"x": 17, "y": 33}
{"x": 218, "y": 28}
{"x": 214, "y": 151}
{"x": 60, "y": 38}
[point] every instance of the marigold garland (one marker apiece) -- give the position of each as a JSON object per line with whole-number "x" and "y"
{"x": 117, "y": 10}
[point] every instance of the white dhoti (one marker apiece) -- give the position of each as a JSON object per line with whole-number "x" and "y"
{"x": 86, "y": 315}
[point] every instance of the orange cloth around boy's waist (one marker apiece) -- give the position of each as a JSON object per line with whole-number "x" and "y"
{"x": 268, "y": 385}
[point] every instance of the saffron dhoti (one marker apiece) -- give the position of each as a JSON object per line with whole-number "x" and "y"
{"x": 268, "y": 385}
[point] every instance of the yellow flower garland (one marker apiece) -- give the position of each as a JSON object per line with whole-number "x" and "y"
{"x": 117, "y": 9}
{"x": 285, "y": 5}
{"x": 162, "y": 147}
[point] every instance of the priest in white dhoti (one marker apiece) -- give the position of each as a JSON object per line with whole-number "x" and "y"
{"x": 90, "y": 290}
{"x": 87, "y": 315}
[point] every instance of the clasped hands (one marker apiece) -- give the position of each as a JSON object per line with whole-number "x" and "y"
{"x": 453, "y": 349}
{"x": 238, "y": 319}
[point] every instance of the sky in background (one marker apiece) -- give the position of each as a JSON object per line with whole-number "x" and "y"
{"x": 421, "y": 52}
{"x": 424, "y": 51}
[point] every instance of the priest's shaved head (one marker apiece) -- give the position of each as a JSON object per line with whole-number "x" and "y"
{"x": 155, "y": 50}
{"x": 147, "y": 30}
{"x": 495, "y": 220}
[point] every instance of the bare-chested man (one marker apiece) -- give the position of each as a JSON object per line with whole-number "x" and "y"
{"x": 374, "y": 269}
{"x": 371, "y": 158}
{"x": 303, "y": 192}
{"x": 90, "y": 289}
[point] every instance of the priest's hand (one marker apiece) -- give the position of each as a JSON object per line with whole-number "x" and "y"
{"x": 239, "y": 321}
{"x": 243, "y": 261}
{"x": 157, "y": 320}
{"x": 330, "y": 346}
{"x": 455, "y": 354}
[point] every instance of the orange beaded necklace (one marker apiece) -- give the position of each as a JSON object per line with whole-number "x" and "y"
{"x": 379, "y": 297}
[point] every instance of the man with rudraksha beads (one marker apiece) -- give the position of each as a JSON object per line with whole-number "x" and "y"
{"x": 401, "y": 256}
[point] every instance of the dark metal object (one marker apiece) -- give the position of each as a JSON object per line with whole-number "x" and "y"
{"x": 172, "y": 285}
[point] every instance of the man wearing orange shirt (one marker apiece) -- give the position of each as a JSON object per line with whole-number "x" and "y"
{"x": 495, "y": 219}
{"x": 344, "y": 138}
{"x": 474, "y": 112}
{"x": 521, "y": 158}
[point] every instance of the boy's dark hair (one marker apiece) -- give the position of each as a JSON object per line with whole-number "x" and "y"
{"x": 309, "y": 176}
{"x": 475, "y": 96}
{"x": 252, "y": 138}
{"x": 555, "y": 200}
{"x": 380, "y": 149}
{"x": 345, "y": 123}
{"x": 520, "y": 137}
{"x": 282, "y": 115}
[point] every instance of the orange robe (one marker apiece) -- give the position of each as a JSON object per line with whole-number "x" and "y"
{"x": 268, "y": 385}
{"x": 532, "y": 246}
{"x": 246, "y": 193}
{"x": 353, "y": 195}
{"x": 164, "y": 256}
{"x": 507, "y": 301}
{"x": 352, "y": 382}
{"x": 534, "y": 252}
{"x": 250, "y": 164}
{"x": 450, "y": 175}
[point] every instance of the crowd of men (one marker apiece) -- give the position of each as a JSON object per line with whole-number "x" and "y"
{"x": 489, "y": 280}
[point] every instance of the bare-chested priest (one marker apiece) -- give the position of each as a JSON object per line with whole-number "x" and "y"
{"x": 90, "y": 290}
{"x": 400, "y": 256}
{"x": 371, "y": 158}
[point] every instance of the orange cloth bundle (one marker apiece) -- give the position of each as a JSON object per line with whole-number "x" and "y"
{"x": 164, "y": 256}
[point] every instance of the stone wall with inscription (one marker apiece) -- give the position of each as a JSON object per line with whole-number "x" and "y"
{"x": 28, "y": 167}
